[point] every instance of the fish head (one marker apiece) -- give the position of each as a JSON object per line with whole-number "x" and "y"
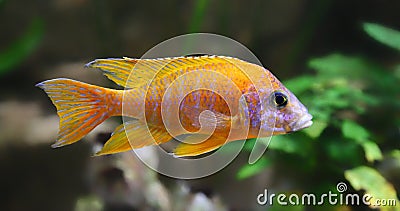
{"x": 285, "y": 112}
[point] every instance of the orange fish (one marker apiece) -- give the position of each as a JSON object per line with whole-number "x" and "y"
{"x": 217, "y": 98}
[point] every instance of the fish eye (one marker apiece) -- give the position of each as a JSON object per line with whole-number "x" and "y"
{"x": 279, "y": 99}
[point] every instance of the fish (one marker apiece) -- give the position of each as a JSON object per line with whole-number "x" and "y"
{"x": 208, "y": 100}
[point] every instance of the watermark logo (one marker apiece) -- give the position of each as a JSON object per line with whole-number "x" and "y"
{"x": 341, "y": 187}
{"x": 332, "y": 198}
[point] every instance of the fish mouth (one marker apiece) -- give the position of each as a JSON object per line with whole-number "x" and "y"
{"x": 303, "y": 122}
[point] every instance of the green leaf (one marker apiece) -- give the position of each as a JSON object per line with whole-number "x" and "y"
{"x": 334, "y": 98}
{"x": 394, "y": 158}
{"x": 352, "y": 130}
{"x": 395, "y": 153}
{"x": 300, "y": 84}
{"x": 383, "y": 34}
{"x": 249, "y": 170}
{"x": 287, "y": 144}
{"x": 397, "y": 72}
{"x": 323, "y": 114}
{"x": 316, "y": 129}
{"x": 347, "y": 152}
{"x": 338, "y": 65}
{"x": 90, "y": 202}
{"x": 22, "y": 47}
{"x": 372, "y": 151}
{"x": 370, "y": 180}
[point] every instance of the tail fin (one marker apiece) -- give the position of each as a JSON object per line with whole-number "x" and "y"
{"x": 80, "y": 106}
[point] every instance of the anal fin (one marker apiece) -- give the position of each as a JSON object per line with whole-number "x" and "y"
{"x": 186, "y": 149}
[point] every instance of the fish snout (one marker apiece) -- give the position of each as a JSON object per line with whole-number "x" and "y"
{"x": 303, "y": 122}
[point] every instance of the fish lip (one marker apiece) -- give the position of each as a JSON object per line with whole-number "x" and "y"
{"x": 303, "y": 122}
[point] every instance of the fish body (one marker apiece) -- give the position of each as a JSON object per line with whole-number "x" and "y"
{"x": 213, "y": 99}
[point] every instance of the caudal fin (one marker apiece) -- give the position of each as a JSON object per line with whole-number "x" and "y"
{"x": 80, "y": 106}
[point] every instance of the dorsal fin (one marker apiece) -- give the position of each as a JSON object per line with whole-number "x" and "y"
{"x": 143, "y": 70}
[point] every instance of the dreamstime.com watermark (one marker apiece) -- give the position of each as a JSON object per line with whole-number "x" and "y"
{"x": 331, "y": 198}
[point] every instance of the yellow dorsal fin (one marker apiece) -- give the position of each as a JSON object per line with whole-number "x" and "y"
{"x": 144, "y": 70}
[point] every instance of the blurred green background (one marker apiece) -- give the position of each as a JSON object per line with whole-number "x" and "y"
{"x": 341, "y": 59}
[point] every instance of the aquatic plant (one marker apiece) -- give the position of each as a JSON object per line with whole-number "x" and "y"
{"x": 348, "y": 95}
